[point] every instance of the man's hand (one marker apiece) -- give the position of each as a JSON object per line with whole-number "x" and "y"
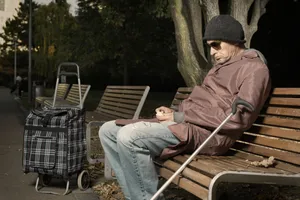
{"x": 164, "y": 114}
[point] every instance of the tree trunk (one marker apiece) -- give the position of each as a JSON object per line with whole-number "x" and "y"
{"x": 239, "y": 9}
{"x": 187, "y": 19}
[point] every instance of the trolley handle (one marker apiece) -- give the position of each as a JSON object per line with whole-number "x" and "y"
{"x": 68, "y": 74}
{"x": 59, "y": 73}
{"x": 240, "y": 101}
{"x": 64, "y": 64}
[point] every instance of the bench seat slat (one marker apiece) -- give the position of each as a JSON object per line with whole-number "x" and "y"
{"x": 286, "y": 156}
{"x": 186, "y": 184}
{"x": 187, "y": 172}
{"x": 253, "y": 157}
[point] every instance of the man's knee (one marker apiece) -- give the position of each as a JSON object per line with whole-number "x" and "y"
{"x": 130, "y": 134}
{"x": 106, "y": 128}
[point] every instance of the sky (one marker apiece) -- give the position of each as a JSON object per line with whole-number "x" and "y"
{"x": 73, "y": 4}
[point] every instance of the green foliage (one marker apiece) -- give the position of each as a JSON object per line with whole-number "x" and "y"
{"x": 53, "y": 30}
{"x": 16, "y": 29}
{"x": 136, "y": 35}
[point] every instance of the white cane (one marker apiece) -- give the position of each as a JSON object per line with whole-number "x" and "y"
{"x": 234, "y": 109}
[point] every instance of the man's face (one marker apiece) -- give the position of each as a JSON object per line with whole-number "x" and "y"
{"x": 221, "y": 51}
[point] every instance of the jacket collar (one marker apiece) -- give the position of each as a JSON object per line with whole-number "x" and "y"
{"x": 247, "y": 53}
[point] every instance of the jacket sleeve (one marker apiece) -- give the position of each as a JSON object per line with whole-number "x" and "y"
{"x": 254, "y": 89}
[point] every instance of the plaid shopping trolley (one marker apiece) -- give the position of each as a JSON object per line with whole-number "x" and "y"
{"x": 55, "y": 145}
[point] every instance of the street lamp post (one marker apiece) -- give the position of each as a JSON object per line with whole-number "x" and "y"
{"x": 15, "y": 62}
{"x": 29, "y": 53}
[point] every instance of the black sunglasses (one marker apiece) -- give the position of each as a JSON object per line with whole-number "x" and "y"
{"x": 216, "y": 45}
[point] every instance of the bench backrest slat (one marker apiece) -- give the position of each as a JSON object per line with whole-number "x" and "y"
{"x": 181, "y": 94}
{"x": 123, "y": 101}
{"x": 62, "y": 90}
{"x": 73, "y": 94}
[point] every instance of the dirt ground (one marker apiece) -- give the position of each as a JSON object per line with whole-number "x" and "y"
{"x": 109, "y": 190}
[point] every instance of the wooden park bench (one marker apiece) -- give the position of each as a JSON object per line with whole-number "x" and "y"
{"x": 62, "y": 90}
{"x": 116, "y": 102}
{"x": 72, "y": 98}
{"x": 276, "y": 133}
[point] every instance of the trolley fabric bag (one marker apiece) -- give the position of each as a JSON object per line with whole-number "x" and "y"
{"x": 54, "y": 141}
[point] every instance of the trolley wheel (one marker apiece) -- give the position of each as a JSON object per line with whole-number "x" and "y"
{"x": 83, "y": 180}
{"x": 45, "y": 179}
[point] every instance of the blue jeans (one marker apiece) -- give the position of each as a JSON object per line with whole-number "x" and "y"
{"x": 130, "y": 150}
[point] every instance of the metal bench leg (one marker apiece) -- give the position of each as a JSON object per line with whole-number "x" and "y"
{"x": 88, "y": 141}
{"x": 250, "y": 177}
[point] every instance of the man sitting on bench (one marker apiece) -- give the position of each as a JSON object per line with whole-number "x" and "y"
{"x": 130, "y": 146}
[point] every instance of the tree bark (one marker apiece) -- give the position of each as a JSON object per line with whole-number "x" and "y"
{"x": 187, "y": 18}
{"x": 211, "y": 9}
{"x": 240, "y": 9}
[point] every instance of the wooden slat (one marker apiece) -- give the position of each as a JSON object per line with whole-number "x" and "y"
{"x": 180, "y": 96}
{"x": 282, "y": 111}
{"x": 189, "y": 173}
{"x": 203, "y": 166}
{"x": 253, "y": 157}
{"x": 176, "y": 102}
{"x": 186, "y": 184}
{"x": 276, "y": 131}
{"x": 283, "y": 144}
{"x": 236, "y": 164}
{"x": 126, "y": 116}
{"x": 122, "y": 96}
{"x": 286, "y": 91}
{"x": 126, "y": 87}
{"x": 136, "y": 92}
{"x": 128, "y": 101}
{"x": 284, "y": 101}
{"x": 267, "y": 151}
{"x": 121, "y": 105}
{"x": 118, "y": 110}
{"x": 185, "y": 89}
{"x": 279, "y": 121}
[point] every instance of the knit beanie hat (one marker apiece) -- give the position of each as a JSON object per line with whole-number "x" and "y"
{"x": 224, "y": 28}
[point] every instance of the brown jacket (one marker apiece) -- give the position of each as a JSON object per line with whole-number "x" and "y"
{"x": 246, "y": 77}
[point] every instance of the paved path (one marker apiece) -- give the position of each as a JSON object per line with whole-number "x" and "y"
{"x": 14, "y": 185}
